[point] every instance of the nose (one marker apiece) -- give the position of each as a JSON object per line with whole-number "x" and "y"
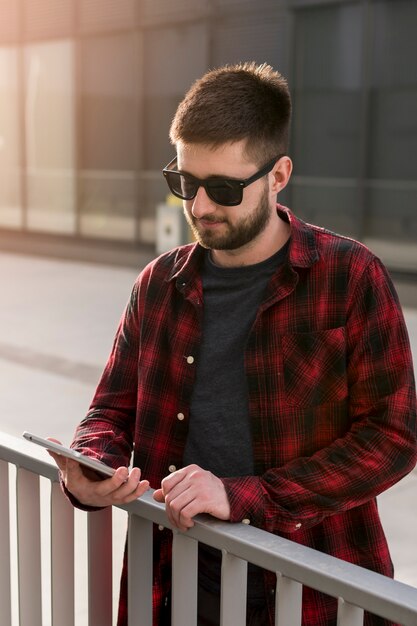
{"x": 202, "y": 205}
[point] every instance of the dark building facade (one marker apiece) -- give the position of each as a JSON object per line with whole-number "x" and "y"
{"x": 88, "y": 89}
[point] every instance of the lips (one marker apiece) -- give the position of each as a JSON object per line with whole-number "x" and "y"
{"x": 209, "y": 223}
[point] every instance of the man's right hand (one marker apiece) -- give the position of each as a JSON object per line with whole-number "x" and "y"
{"x": 123, "y": 487}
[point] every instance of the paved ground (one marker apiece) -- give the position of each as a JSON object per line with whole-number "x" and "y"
{"x": 57, "y": 321}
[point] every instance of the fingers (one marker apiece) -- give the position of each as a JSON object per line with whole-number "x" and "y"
{"x": 190, "y": 491}
{"x": 158, "y": 495}
{"x": 176, "y": 496}
{"x": 123, "y": 487}
{"x": 181, "y": 509}
{"x": 120, "y": 486}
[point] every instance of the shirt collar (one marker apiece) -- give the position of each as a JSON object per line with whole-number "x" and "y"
{"x": 186, "y": 264}
{"x": 302, "y": 251}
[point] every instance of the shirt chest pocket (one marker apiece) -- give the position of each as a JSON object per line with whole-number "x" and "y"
{"x": 314, "y": 367}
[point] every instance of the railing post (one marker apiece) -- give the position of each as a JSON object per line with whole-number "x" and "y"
{"x": 140, "y": 543}
{"x": 348, "y": 614}
{"x": 29, "y": 548}
{"x": 288, "y": 601}
{"x": 5, "y": 586}
{"x": 100, "y": 589}
{"x": 234, "y": 586}
{"x": 184, "y": 580}
{"x": 62, "y": 558}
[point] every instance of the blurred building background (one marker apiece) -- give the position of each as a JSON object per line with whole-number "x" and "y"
{"x": 88, "y": 89}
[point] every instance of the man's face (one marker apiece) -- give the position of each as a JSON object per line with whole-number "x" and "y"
{"x": 220, "y": 227}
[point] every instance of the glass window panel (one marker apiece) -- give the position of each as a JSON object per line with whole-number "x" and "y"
{"x": 110, "y": 82}
{"x": 257, "y": 36}
{"x": 47, "y": 19}
{"x": 392, "y": 184}
{"x": 9, "y": 21}
{"x": 329, "y": 48}
{"x": 327, "y": 115}
{"x": 394, "y": 91}
{"x": 106, "y": 15}
{"x": 163, "y": 11}
{"x": 395, "y": 43}
{"x": 50, "y": 136}
{"x": 175, "y": 57}
{"x": 10, "y": 187}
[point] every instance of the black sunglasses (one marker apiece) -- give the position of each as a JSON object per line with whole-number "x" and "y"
{"x": 224, "y": 191}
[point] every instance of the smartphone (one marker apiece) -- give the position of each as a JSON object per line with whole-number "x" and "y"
{"x": 87, "y": 461}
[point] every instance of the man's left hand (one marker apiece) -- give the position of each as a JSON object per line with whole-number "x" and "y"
{"x": 189, "y": 491}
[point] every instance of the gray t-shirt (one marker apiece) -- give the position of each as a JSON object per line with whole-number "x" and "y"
{"x": 219, "y": 437}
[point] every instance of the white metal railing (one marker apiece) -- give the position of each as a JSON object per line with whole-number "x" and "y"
{"x": 357, "y": 589}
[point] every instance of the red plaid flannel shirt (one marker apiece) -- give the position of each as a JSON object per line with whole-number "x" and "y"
{"x": 331, "y": 398}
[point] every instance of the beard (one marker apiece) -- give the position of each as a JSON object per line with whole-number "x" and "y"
{"x": 233, "y": 236}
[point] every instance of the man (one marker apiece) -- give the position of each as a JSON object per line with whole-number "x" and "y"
{"x": 262, "y": 374}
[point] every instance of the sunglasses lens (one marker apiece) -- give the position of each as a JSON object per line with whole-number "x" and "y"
{"x": 225, "y": 192}
{"x": 181, "y": 186}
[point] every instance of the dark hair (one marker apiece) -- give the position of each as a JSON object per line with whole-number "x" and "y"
{"x": 235, "y": 102}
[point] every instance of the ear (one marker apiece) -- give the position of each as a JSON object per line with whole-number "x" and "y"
{"x": 281, "y": 174}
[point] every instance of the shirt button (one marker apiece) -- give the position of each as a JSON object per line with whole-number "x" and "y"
{"x": 160, "y": 527}
{"x": 297, "y": 526}
{"x": 180, "y": 416}
{"x": 190, "y": 360}
{"x": 246, "y": 521}
{"x": 172, "y": 468}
